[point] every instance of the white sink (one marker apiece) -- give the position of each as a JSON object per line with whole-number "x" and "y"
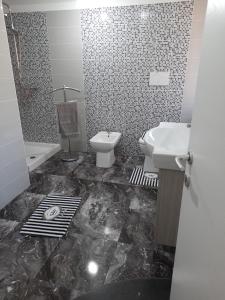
{"x": 166, "y": 142}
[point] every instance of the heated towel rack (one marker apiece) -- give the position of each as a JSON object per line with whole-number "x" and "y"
{"x": 64, "y": 89}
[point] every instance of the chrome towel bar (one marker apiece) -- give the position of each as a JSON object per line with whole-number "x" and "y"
{"x": 64, "y": 88}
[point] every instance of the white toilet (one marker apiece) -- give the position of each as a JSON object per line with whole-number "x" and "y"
{"x": 148, "y": 163}
{"x": 104, "y": 143}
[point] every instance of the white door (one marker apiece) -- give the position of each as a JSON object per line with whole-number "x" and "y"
{"x": 199, "y": 272}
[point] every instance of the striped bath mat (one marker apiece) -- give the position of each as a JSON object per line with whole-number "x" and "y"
{"x": 38, "y": 225}
{"x": 139, "y": 177}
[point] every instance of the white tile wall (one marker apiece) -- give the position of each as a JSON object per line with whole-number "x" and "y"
{"x": 68, "y": 67}
{"x": 69, "y": 19}
{"x": 14, "y": 150}
{"x": 4, "y": 70}
{"x": 13, "y": 170}
{"x": 59, "y": 51}
{"x": 7, "y": 91}
{"x": 194, "y": 53}
{"x": 14, "y": 187}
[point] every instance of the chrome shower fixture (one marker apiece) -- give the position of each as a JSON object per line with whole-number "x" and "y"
{"x": 27, "y": 92}
{"x": 16, "y": 37}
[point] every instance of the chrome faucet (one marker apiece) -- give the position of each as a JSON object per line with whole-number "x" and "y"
{"x": 108, "y": 132}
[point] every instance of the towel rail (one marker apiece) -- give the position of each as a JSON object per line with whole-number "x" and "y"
{"x": 64, "y": 88}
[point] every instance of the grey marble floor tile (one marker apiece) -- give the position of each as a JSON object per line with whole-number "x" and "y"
{"x": 7, "y": 227}
{"x": 65, "y": 185}
{"x": 142, "y": 199}
{"x": 112, "y": 228}
{"x": 89, "y": 157}
{"x": 79, "y": 265}
{"x": 130, "y": 262}
{"x": 14, "y": 290}
{"x": 21, "y": 207}
{"x": 38, "y": 289}
{"x": 134, "y": 161}
{"x": 55, "y": 166}
{"x": 21, "y": 258}
{"x": 104, "y": 212}
{"x": 121, "y": 170}
{"x": 140, "y": 221}
{"x": 117, "y": 174}
{"x": 86, "y": 164}
{"x": 138, "y": 229}
{"x": 89, "y": 172}
{"x": 163, "y": 260}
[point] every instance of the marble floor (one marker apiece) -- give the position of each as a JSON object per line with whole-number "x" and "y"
{"x": 113, "y": 232}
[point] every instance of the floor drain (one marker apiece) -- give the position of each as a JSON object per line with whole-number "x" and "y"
{"x": 32, "y": 157}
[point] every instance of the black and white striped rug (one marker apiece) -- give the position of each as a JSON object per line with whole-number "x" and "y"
{"x": 139, "y": 177}
{"x": 38, "y": 225}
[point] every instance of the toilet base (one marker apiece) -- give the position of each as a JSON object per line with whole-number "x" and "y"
{"x": 148, "y": 165}
{"x": 105, "y": 159}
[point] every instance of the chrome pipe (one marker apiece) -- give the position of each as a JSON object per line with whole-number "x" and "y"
{"x": 16, "y": 39}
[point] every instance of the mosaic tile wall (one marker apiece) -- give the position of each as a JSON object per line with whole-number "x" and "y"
{"x": 38, "y": 114}
{"x": 121, "y": 45}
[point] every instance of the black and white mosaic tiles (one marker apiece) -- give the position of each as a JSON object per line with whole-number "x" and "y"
{"x": 121, "y": 45}
{"x": 38, "y": 114}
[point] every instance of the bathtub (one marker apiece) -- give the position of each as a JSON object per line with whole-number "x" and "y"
{"x": 37, "y": 153}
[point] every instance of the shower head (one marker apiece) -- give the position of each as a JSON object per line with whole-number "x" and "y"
{"x": 15, "y": 34}
{"x": 8, "y": 13}
{"x": 6, "y": 5}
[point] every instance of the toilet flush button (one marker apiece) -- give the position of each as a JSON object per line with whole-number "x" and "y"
{"x": 159, "y": 78}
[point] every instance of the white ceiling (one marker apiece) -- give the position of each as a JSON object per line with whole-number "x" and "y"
{"x": 45, "y": 5}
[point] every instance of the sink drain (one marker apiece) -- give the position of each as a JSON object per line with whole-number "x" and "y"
{"x": 32, "y": 157}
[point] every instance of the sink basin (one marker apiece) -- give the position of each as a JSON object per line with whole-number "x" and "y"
{"x": 167, "y": 141}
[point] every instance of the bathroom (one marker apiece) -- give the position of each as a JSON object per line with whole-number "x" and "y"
{"x": 100, "y": 103}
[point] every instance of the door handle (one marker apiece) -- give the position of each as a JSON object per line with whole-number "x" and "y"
{"x": 187, "y": 180}
{"x": 181, "y": 159}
